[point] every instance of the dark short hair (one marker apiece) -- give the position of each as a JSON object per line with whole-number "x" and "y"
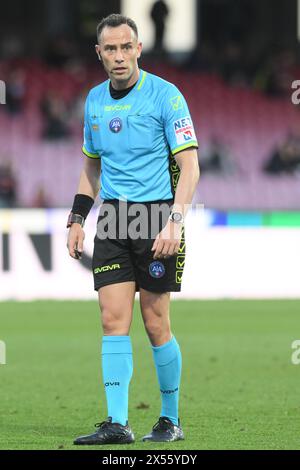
{"x": 115, "y": 20}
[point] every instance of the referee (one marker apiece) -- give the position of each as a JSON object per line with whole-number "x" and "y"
{"x": 140, "y": 149}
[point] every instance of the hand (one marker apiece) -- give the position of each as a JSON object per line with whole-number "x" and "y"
{"x": 75, "y": 241}
{"x": 167, "y": 242}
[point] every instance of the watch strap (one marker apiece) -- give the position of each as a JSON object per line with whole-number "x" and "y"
{"x": 75, "y": 219}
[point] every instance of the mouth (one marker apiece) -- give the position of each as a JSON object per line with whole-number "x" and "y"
{"x": 119, "y": 69}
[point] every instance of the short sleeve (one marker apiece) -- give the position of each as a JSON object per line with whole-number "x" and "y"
{"x": 179, "y": 128}
{"x": 88, "y": 148}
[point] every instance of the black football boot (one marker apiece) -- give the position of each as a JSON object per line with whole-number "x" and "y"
{"x": 107, "y": 433}
{"x": 165, "y": 431}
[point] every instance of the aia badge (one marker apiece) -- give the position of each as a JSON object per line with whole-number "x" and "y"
{"x": 157, "y": 270}
{"x": 115, "y": 125}
{"x": 184, "y": 130}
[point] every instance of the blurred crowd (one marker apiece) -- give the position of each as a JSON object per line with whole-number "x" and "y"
{"x": 285, "y": 159}
{"x": 271, "y": 74}
{"x": 9, "y": 190}
{"x": 234, "y": 57}
{"x": 8, "y": 186}
{"x": 59, "y": 117}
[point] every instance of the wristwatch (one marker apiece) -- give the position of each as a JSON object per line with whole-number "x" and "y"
{"x": 176, "y": 217}
{"x": 75, "y": 219}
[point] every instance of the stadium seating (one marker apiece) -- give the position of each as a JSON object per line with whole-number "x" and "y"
{"x": 249, "y": 123}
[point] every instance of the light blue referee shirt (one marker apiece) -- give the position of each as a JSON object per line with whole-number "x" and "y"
{"x": 136, "y": 136}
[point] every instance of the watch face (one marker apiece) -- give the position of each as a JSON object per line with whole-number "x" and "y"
{"x": 177, "y": 217}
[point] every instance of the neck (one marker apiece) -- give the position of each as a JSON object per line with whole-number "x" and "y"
{"x": 123, "y": 84}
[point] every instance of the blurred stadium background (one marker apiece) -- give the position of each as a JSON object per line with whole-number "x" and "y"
{"x": 235, "y": 61}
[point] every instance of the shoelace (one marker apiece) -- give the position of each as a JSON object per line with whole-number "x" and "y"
{"x": 102, "y": 425}
{"x": 162, "y": 423}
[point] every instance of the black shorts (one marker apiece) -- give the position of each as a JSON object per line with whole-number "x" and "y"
{"x": 122, "y": 247}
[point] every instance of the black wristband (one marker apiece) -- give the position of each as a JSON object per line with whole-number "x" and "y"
{"x": 82, "y": 205}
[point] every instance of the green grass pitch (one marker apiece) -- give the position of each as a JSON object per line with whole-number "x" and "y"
{"x": 239, "y": 388}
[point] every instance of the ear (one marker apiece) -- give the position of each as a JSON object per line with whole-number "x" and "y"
{"x": 140, "y": 47}
{"x": 97, "y": 49}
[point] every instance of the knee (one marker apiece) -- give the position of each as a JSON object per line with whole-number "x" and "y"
{"x": 155, "y": 312}
{"x": 154, "y": 327}
{"x": 114, "y": 324}
{"x": 158, "y": 329}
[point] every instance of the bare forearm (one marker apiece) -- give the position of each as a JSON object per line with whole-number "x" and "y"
{"x": 167, "y": 243}
{"x": 88, "y": 186}
{"x": 89, "y": 183}
{"x": 188, "y": 180}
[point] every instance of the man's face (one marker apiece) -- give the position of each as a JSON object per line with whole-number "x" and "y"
{"x": 120, "y": 50}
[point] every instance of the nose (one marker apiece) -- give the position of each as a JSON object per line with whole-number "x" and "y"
{"x": 119, "y": 56}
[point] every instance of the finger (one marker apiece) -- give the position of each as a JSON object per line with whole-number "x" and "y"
{"x": 155, "y": 243}
{"x": 79, "y": 247}
{"x": 166, "y": 249}
{"x": 72, "y": 252}
{"x": 176, "y": 248}
{"x": 158, "y": 250}
{"x": 172, "y": 250}
{"x": 72, "y": 247}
